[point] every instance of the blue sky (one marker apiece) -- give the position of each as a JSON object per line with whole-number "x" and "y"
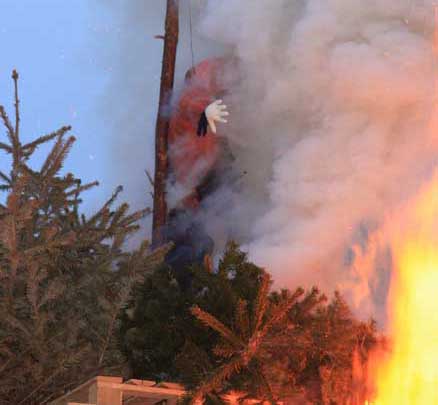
{"x": 72, "y": 59}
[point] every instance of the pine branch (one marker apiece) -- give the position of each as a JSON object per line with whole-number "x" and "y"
{"x": 281, "y": 310}
{"x": 119, "y": 215}
{"x": 56, "y": 148}
{"x": 311, "y": 300}
{"x": 224, "y": 350}
{"x": 30, "y": 147}
{"x": 81, "y": 189}
{"x": 56, "y": 157}
{"x": 241, "y": 319}
{"x": 8, "y": 125}
{"x": 15, "y": 148}
{"x": 16, "y": 324}
{"x": 17, "y": 105}
{"x": 93, "y": 220}
{"x": 217, "y": 379}
{"x": 109, "y": 334}
{"x": 60, "y": 157}
{"x": 54, "y": 374}
{"x": 212, "y": 322}
{"x": 263, "y": 383}
{"x": 5, "y": 178}
{"x": 262, "y": 301}
{"x": 5, "y": 147}
{"x": 151, "y": 181}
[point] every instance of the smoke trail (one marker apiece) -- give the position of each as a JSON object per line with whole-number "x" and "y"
{"x": 332, "y": 126}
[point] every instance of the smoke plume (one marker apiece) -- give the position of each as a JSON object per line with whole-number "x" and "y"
{"x": 332, "y": 122}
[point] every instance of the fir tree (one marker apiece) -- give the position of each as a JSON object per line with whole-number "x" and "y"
{"x": 243, "y": 345}
{"x": 272, "y": 346}
{"x": 158, "y": 332}
{"x": 289, "y": 346}
{"x": 64, "y": 277}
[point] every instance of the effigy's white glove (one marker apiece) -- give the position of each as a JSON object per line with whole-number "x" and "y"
{"x": 216, "y": 112}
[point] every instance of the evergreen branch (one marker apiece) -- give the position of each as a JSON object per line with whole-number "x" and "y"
{"x": 212, "y": 322}
{"x": 156, "y": 256}
{"x": 133, "y": 218}
{"x": 15, "y": 148}
{"x": 6, "y": 179}
{"x": 51, "y": 156}
{"x": 217, "y": 379}
{"x": 16, "y": 324}
{"x": 64, "y": 241}
{"x": 81, "y": 189}
{"x": 55, "y": 373}
{"x": 313, "y": 299}
{"x": 241, "y": 319}
{"x": 5, "y": 370}
{"x": 30, "y": 147}
{"x": 56, "y": 157}
{"x": 32, "y": 287}
{"x": 17, "y": 105}
{"x": 263, "y": 382}
{"x": 109, "y": 333}
{"x": 6, "y": 148}
{"x": 151, "y": 180}
{"x": 224, "y": 350}
{"x": 119, "y": 214}
{"x": 281, "y": 310}
{"x": 262, "y": 301}
{"x": 93, "y": 220}
{"x": 60, "y": 157}
{"x": 53, "y": 291}
{"x": 8, "y": 125}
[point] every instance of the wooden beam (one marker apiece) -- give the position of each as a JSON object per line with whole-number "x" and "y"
{"x": 163, "y": 119}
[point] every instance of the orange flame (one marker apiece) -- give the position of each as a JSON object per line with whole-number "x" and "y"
{"x": 410, "y": 375}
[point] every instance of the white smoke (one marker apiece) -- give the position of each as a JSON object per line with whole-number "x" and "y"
{"x": 331, "y": 124}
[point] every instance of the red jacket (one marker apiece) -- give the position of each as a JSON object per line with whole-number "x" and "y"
{"x": 191, "y": 157}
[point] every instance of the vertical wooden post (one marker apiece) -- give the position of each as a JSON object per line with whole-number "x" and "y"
{"x": 163, "y": 118}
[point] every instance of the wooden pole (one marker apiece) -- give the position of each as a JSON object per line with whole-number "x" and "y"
{"x": 163, "y": 118}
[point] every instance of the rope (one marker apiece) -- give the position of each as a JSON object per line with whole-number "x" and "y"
{"x": 191, "y": 33}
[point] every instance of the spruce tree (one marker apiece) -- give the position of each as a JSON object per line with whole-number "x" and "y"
{"x": 287, "y": 346}
{"x": 159, "y": 335}
{"x": 64, "y": 276}
{"x": 244, "y": 345}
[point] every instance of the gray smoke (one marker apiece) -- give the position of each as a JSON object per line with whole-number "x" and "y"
{"x": 331, "y": 124}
